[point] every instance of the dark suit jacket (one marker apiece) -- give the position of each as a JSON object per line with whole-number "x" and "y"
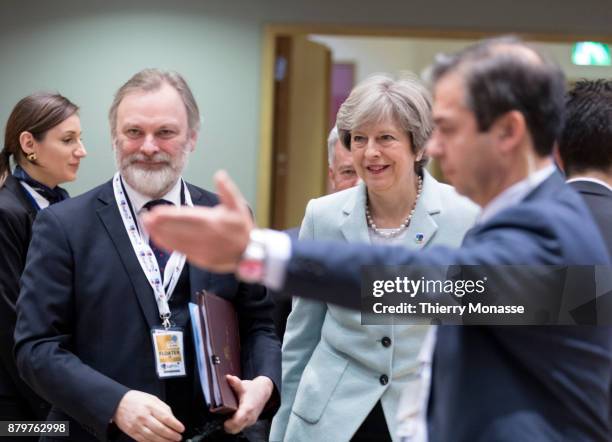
{"x": 17, "y": 400}
{"x": 599, "y": 200}
{"x": 86, "y": 309}
{"x": 497, "y": 383}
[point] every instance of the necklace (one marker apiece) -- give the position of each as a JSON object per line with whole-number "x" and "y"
{"x": 392, "y": 233}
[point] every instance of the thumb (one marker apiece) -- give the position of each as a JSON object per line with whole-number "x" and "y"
{"x": 235, "y": 383}
{"x": 229, "y": 195}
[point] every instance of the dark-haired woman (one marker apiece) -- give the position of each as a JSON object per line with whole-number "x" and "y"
{"x": 43, "y": 137}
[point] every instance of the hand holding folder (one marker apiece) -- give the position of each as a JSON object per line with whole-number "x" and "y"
{"x": 217, "y": 344}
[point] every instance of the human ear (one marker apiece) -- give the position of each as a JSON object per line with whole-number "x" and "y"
{"x": 510, "y": 129}
{"x": 27, "y": 142}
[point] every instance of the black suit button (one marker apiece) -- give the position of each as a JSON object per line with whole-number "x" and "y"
{"x": 384, "y": 379}
{"x": 386, "y": 341}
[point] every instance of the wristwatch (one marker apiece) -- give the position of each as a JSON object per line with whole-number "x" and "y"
{"x": 252, "y": 263}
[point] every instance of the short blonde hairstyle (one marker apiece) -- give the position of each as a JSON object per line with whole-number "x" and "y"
{"x": 405, "y": 101}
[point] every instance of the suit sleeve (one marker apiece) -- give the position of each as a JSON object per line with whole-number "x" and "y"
{"x": 260, "y": 347}
{"x": 323, "y": 270}
{"x": 13, "y": 243}
{"x": 44, "y": 333}
{"x": 302, "y": 335}
{"x": 14, "y": 238}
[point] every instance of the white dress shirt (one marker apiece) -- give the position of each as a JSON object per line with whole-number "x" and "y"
{"x": 138, "y": 200}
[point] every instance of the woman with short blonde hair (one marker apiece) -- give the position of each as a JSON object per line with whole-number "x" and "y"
{"x": 342, "y": 380}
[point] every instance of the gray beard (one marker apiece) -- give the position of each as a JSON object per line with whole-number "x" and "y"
{"x": 152, "y": 183}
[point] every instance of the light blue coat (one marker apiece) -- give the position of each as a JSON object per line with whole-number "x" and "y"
{"x": 331, "y": 363}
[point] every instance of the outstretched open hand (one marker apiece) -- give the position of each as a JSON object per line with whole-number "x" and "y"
{"x": 211, "y": 237}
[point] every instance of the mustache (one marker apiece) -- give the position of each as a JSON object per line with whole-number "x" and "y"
{"x": 159, "y": 157}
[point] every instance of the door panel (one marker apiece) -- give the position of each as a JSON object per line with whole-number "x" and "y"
{"x": 301, "y": 114}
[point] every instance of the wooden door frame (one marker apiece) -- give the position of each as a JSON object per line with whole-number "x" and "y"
{"x": 272, "y": 31}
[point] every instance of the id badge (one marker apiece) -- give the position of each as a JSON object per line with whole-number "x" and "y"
{"x": 169, "y": 350}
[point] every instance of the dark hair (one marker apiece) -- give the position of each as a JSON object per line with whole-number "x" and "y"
{"x": 505, "y": 74}
{"x": 586, "y": 140}
{"x": 36, "y": 113}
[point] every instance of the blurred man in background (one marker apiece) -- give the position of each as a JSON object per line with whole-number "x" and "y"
{"x": 585, "y": 149}
{"x": 341, "y": 171}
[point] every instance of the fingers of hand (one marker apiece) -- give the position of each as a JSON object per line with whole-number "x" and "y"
{"x": 162, "y": 429}
{"x": 151, "y": 420}
{"x": 174, "y": 228}
{"x": 147, "y": 435}
{"x": 242, "y": 418}
{"x": 228, "y": 192}
{"x": 165, "y": 417}
{"x": 248, "y": 410}
{"x": 236, "y": 385}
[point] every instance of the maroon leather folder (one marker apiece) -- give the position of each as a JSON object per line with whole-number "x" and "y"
{"x": 219, "y": 323}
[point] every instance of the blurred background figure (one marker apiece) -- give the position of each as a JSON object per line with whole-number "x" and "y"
{"x": 43, "y": 137}
{"x": 585, "y": 149}
{"x": 341, "y": 171}
{"x": 329, "y": 358}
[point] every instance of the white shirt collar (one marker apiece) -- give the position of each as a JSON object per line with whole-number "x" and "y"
{"x": 592, "y": 180}
{"x": 514, "y": 194}
{"x": 41, "y": 201}
{"x": 138, "y": 200}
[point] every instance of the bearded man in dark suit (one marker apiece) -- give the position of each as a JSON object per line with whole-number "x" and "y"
{"x": 96, "y": 292}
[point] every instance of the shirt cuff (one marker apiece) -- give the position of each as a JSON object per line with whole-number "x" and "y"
{"x": 278, "y": 251}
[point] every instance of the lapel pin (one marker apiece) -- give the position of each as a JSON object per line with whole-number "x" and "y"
{"x": 419, "y": 237}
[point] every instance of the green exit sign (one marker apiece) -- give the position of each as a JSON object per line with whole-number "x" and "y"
{"x": 590, "y": 53}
